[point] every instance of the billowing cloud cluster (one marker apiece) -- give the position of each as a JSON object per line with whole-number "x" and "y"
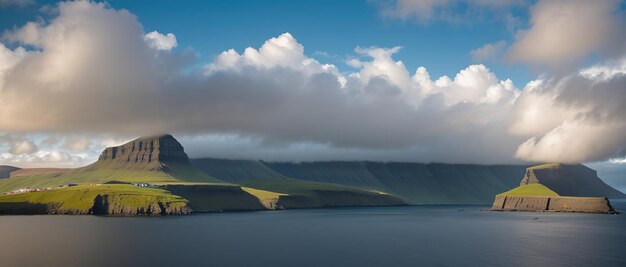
{"x": 161, "y": 41}
{"x": 93, "y": 71}
{"x": 576, "y": 118}
{"x": 563, "y": 32}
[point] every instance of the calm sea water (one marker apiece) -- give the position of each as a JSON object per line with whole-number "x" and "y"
{"x": 399, "y": 236}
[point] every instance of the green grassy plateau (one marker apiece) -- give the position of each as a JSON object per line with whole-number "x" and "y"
{"x": 531, "y": 190}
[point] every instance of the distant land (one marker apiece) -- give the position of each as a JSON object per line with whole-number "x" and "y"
{"x": 154, "y": 176}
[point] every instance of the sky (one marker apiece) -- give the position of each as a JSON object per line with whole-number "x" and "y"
{"x": 486, "y": 81}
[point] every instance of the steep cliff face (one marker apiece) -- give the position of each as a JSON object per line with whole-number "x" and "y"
{"x": 570, "y": 180}
{"x": 148, "y": 153}
{"x": 553, "y": 204}
{"x": 118, "y": 206}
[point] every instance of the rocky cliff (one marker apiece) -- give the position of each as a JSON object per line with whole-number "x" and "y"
{"x": 147, "y": 153}
{"x": 570, "y": 180}
{"x": 561, "y": 188}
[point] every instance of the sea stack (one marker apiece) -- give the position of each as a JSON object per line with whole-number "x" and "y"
{"x": 559, "y": 188}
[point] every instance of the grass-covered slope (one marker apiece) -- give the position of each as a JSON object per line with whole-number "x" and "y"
{"x": 307, "y": 194}
{"x": 353, "y": 173}
{"x": 157, "y": 159}
{"x": 100, "y": 172}
{"x": 416, "y": 182}
{"x": 161, "y": 160}
{"x": 115, "y": 199}
{"x": 530, "y": 190}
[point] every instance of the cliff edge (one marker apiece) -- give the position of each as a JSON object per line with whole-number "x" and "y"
{"x": 553, "y": 204}
{"x": 543, "y": 188}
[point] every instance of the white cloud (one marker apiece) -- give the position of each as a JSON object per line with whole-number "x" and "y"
{"x": 22, "y": 147}
{"x": 17, "y": 145}
{"x": 74, "y": 143}
{"x": 618, "y": 161}
{"x": 45, "y": 159}
{"x": 488, "y": 51}
{"x": 8, "y": 59}
{"x": 276, "y": 100}
{"x": 576, "y": 118}
{"x": 160, "y": 41}
{"x": 275, "y": 94}
{"x": 564, "y": 32}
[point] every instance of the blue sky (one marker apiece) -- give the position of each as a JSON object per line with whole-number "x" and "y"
{"x": 330, "y": 30}
{"x": 333, "y": 27}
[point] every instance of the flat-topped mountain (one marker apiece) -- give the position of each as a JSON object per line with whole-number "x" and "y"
{"x": 561, "y": 188}
{"x": 570, "y": 180}
{"x": 149, "y": 153}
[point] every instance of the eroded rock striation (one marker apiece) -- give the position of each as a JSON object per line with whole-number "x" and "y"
{"x": 149, "y": 153}
{"x": 554, "y": 204}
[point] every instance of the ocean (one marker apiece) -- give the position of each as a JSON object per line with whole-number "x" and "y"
{"x": 381, "y": 236}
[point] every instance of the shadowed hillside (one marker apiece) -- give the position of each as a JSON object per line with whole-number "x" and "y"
{"x": 5, "y": 171}
{"x": 236, "y": 170}
{"x": 570, "y": 180}
{"x": 416, "y": 182}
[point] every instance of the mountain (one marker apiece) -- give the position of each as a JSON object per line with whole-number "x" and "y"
{"x": 5, "y": 171}
{"x": 173, "y": 186}
{"x": 171, "y": 183}
{"x": 154, "y": 159}
{"x": 418, "y": 183}
{"x": 570, "y": 180}
{"x": 559, "y": 188}
{"x": 152, "y": 153}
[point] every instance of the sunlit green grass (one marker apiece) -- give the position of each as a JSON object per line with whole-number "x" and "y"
{"x": 530, "y": 190}
{"x": 546, "y": 166}
{"x": 263, "y": 195}
{"x": 81, "y": 198}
